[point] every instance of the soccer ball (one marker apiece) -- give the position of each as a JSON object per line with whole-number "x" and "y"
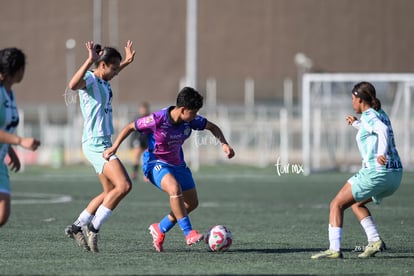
{"x": 218, "y": 238}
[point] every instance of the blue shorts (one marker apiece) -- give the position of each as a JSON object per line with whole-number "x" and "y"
{"x": 368, "y": 183}
{"x": 4, "y": 179}
{"x": 156, "y": 170}
{"x": 93, "y": 149}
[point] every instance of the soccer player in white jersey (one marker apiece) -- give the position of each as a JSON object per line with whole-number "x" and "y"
{"x": 379, "y": 177}
{"x": 95, "y": 96}
{"x": 12, "y": 66}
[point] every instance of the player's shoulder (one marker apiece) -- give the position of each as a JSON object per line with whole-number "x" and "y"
{"x": 370, "y": 114}
{"x": 199, "y": 122}
{"x": 160, "y": 114}
{"x": 155, "y": 118}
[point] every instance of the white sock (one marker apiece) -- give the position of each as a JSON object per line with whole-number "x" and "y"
{"x": 83, "y": 219}
{"x": 370, "y": 229}
{"x": 335, "y": 237}
{"x": 102, "y": 215}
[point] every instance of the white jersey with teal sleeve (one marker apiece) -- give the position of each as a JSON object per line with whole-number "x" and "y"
{"x": 9, "y": 117}
{"x": 96, "y": 105}
{"x": 375, "y": 137}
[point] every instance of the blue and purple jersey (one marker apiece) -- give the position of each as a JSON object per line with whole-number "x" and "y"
{"x": 165, "y": 139}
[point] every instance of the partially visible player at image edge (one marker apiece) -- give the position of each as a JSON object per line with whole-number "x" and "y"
{"x": 164, "y": 163}
{"x": 379, "y": 177}
{"x": 12, "y": 67}
{"x": 95, "y": 98}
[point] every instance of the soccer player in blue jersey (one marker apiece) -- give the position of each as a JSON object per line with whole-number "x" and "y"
{"x": 95, "y": 96}
{"x": 164, "y": 163}
{"x": 379, "y": 177}
{"x": 12, "y": 66}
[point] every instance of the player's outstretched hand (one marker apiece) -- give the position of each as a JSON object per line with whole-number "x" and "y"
{"x": 129, "y": 53}
{"x": 93, "y": 55}
{"x": 29, "y": 143}
{"x": 228, "y": 151}
{"x": 350, "y": 119}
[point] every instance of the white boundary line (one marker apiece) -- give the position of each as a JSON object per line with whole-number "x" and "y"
{"x": 39, "y": 198}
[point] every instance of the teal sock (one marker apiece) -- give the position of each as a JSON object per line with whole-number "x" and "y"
{"x": 185, "y": 225}
{"x": 166, "y": 224}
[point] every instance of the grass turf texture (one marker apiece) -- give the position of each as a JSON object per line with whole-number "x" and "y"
{"x": 277, "y": 223}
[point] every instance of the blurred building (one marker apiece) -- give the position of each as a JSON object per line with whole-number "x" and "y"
{"x": 237, "y": 39}
{"x": 251, "y": 57}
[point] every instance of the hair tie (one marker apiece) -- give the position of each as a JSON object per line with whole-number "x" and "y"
{"x": 362, "y": 96}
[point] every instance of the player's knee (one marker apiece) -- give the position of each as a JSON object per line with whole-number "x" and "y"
{"x": 356, "y": 207}
{"x": 335, "y": 204}
{"x": 126, "y": 188}
{"x": 191, "y": 206}
{"x": 339, "y": 204}
{"x": 173, "y": 190}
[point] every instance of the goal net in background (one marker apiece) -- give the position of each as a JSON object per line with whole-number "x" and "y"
{"x": 327, "y": 141}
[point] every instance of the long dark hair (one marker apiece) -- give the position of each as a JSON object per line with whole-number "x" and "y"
{"x": 367, "y": 93}
{"x": 11, "y": 61}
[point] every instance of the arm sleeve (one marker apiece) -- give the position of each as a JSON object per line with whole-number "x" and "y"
{"x": 382, "y": 131}
{"x": 199, "y": 123}
{"x": 145, "y": 124}
{"x": 88, "y": 78}
{"x": 356, "y": 124}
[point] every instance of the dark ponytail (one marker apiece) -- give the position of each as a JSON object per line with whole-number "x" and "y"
{"x": 376, "y": 104}
{"x": 366, "y": 92}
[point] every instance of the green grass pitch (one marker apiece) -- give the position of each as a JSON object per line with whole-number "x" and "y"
{"x": 277, "y": 223}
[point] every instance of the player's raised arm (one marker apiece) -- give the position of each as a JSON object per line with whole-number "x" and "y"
{"x": 216, "y": 131}
{"x": 77, "y": 81}
{"x": 129, "y": 55}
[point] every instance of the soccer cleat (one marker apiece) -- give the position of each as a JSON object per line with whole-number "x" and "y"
{"x": 328, "y": 254}
{"x": 92, "y": 239}
{"x": 193, "y": 237}
{"x": 75, "y": 232}
{"x": 157, "y": 236}
{"x": 372, "y": 248}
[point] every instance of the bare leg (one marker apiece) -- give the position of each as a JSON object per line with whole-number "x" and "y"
{"x": 342, "y": 201}
{"x": 170, "y": 185}
{"x": 4, "y": 208}
{"x": 190, "y": 203}
{"x": 360, "y": 210}
{"x": 115, "y": 182}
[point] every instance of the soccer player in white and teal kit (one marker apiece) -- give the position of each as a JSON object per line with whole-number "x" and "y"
{"x": 164, "y": 163}
{"x": 95, "y": 96}
{"x": 12, "y": 67}
{"x": 379, "y": 177}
